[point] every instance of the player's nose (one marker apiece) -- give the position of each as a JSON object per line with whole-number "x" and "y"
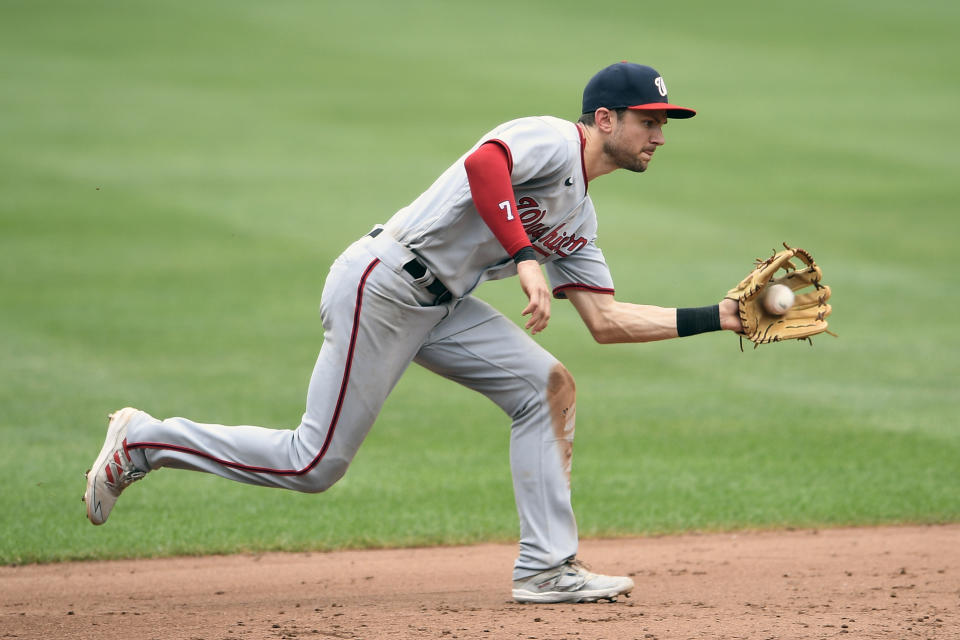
{"x": 657, "y": 137}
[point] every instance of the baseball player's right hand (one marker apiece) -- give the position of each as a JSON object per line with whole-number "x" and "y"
{"x": 535, "y": 286}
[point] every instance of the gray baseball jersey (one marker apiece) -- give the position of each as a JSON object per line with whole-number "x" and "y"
{"x": 384, "y": 305}
{"x": 443, "y": 227}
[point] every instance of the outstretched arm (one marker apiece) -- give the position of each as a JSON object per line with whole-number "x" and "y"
{"x": 610, "y": 321}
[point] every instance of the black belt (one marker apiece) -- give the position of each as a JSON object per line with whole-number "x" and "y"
{"x": 417, "y": 269}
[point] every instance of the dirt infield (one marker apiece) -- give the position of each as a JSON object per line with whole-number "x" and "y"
{"x": 892, "y": 582}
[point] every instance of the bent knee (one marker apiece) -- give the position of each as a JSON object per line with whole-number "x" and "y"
{"x": 562, "y": 399}
{"x": 561, "y": 387}
{"x": 324, "y": 476}
{"x": 551, "y": 390}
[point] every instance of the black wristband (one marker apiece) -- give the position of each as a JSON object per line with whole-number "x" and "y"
{"x": 694, "y": 320}
{"x": 527, "y": 253}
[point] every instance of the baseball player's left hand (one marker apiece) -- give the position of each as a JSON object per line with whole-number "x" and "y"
{"x": 535, "y": 286}
{"x": 808, "y": 315}
{"x": 730, "y": 315}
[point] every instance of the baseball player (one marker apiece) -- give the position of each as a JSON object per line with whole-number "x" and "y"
{"x": 402, "y": 293}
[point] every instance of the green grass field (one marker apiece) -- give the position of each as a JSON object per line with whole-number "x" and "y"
{"x": 176, "y": 177}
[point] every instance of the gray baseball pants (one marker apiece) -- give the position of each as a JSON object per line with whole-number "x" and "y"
{"x": 377, "y": 319}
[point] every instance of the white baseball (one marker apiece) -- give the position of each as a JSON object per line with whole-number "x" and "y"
{"x": 777, "y": 299}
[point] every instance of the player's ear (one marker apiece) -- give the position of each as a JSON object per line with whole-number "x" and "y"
{"x": 605, "y": 119}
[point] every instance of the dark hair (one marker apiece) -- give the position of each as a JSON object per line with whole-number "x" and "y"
{"x": 589, "y": 119}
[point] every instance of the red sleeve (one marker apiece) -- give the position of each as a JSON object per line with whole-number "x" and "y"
{"x": 488, "y": 171}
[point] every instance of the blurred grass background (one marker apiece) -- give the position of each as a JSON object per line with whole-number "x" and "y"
{"x": 176, "y": 177}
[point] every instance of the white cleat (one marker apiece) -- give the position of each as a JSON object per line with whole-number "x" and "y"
{"x": 113, "y": 471}
{"x": 570, "y": 582}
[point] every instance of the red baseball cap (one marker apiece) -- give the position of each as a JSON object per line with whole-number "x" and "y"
{"x": 631, "y": 86}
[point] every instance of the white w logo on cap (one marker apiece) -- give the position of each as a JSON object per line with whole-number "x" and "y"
{"x": 661, "y": 85}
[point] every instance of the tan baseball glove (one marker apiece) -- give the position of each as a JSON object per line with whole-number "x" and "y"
{"x": 807, "y": 316}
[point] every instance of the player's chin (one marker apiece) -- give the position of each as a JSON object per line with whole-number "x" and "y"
{"x": 637, "y": 164}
